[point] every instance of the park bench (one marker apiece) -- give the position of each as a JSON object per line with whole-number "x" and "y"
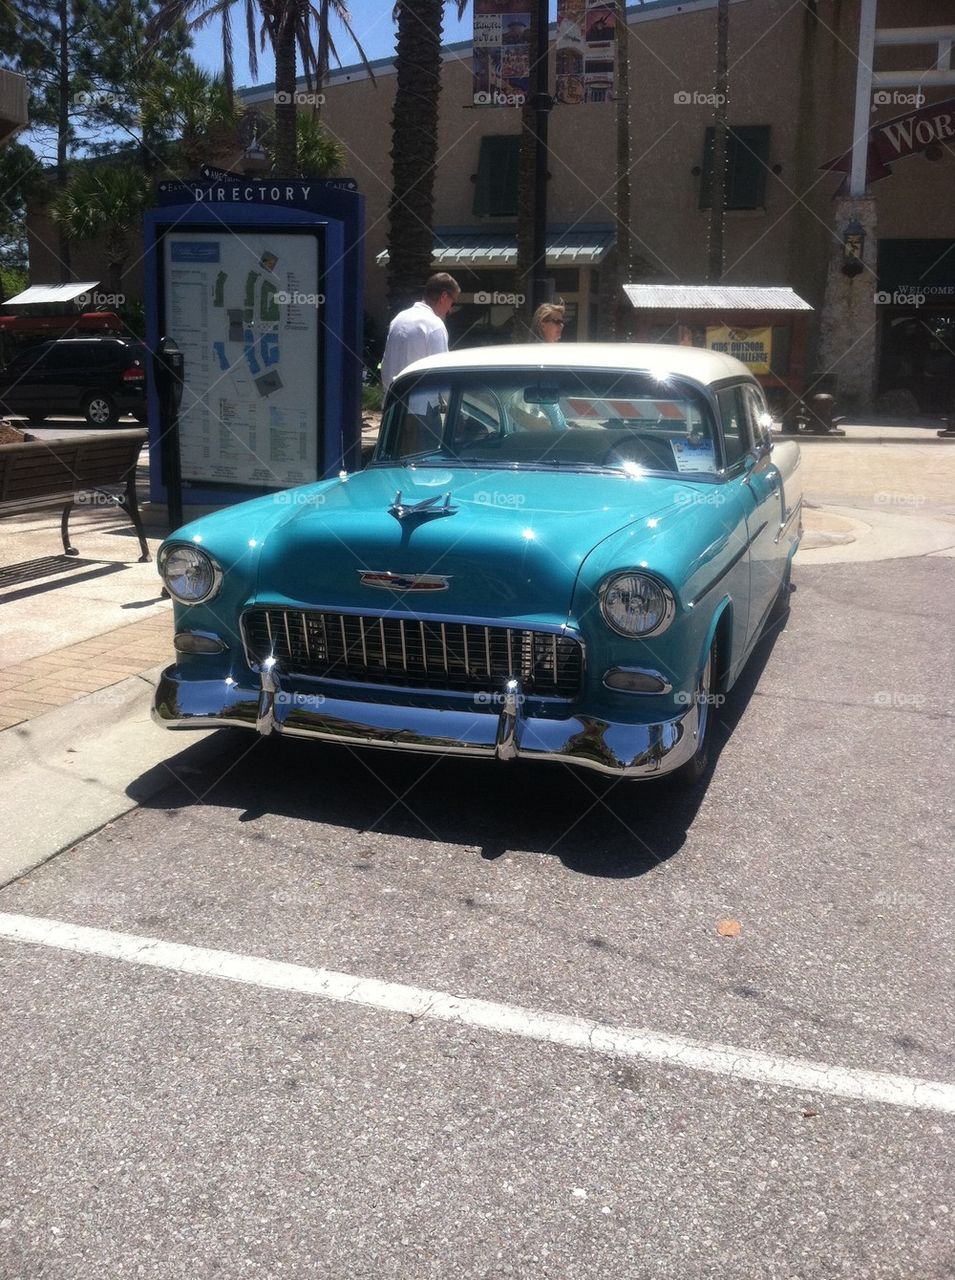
{"x": 38, "y": 473}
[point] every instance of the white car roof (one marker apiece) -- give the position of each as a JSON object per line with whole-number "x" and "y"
{"x": 692, "y": 362}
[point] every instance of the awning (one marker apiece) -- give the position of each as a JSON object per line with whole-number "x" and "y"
{"x": 716, "y": 297}
{"x": 46, "y": 293}
{"x": 480, "y": 250}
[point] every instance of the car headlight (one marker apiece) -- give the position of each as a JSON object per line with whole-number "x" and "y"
{"x": 635, "y": 604}
{"x": 190, "y": 575}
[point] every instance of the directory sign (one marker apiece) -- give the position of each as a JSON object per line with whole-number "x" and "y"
{"x": 245, "y": 308}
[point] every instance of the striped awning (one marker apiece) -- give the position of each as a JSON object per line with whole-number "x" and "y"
{"x": 716, "y": 297}
{"x": 480, "y": 250}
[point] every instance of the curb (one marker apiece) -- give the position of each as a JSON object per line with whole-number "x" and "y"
{"x": 100, "y": 757}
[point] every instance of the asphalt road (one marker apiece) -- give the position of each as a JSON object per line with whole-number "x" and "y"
{"x": 163, "y": 1124}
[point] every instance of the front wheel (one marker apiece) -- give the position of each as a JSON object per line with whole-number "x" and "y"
{"x": 99, "y": 410}
{"x": 690, "y": 773}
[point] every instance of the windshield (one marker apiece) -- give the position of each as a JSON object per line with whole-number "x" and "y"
{"x": 575, "y": 418}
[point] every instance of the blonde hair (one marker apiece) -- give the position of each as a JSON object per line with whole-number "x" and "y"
{"x": 546, "y": 311}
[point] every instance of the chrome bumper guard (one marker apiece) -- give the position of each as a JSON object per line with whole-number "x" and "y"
{"x": 616, "y": 749}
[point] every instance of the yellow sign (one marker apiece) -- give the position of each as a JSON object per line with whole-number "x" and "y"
{"x": 753, "y": 346}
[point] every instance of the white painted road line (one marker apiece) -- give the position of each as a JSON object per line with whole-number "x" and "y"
{"x": 531, "y": 1024}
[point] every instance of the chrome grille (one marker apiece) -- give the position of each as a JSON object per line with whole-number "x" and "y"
{"x": 385, "y": 649}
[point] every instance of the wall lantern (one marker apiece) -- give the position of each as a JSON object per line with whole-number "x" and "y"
{"x": 853, "y": 243}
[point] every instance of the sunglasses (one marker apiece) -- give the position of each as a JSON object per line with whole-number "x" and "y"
{"x": 554, "y": 320}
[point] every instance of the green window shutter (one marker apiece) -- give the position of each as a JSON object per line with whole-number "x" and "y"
{"x": 747, "y": 158}
{"x": 495, "y": 193}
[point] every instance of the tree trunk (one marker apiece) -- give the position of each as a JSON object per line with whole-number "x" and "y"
{"x": 714, "y": 266}
{"x": 322, "y": 58}
{"x": 526, "y": 194}
{"x": 63, "y": 133}
{"x": 414, "y": 149}
{"x": 286, "y": 150}
{"x": 623, "y": 312}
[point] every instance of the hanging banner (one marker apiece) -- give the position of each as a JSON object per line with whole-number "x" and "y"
{"x": 753, "y": 346}
{"x": 585, "y": 51}
{"x": 502, "y": 52}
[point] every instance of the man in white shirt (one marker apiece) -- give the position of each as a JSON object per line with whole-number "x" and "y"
{"x": 420, "y": 330}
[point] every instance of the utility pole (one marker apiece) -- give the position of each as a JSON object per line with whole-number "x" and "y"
{"x": 541, "y": 103}
{"x": 622, "y": 310}
{"x": 716, "y": 255}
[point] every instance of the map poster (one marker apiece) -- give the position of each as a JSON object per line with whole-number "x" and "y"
{"x": 501, "y": 52}
{"x": 245, "y": 311}
{"x": 585, "y": 48}
{"x": 753, "y": 346}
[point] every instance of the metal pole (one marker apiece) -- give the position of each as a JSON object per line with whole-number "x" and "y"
{"x": 860, "y": 127}
{"x": 541, "y": 286}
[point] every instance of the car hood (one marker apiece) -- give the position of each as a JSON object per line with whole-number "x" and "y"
{"x": 512, "y": 547}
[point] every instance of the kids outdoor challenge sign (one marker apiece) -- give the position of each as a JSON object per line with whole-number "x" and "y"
{"x": 258, "y": 282}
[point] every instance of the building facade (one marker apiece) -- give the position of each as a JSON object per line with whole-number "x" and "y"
{"x": 884, "y": 327}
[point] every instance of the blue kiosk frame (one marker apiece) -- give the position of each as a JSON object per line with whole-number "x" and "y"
{"x": 332, "y": 213}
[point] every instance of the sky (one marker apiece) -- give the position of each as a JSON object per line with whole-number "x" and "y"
{"x": 371, "y": 21}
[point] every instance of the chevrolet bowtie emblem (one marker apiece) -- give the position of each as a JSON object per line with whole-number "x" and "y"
{"x": 404, "y": 581}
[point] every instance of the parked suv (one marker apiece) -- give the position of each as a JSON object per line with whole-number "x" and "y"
{"x": 101, "y": 378}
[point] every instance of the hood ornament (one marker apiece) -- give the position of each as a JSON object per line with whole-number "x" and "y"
{"x": 426, "y": 507}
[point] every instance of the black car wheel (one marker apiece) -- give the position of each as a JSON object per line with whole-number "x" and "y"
{"x": 99, "y": 410}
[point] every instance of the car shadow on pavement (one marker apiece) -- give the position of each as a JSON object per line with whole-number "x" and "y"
{"x": 596, "y": 826}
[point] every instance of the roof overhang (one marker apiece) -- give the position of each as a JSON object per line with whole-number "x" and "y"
{"x": 716, "y": 297}
{"x": 47, "y": 293}
{"x": 478, "y": 250}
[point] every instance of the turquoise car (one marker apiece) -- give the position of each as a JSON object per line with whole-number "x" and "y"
{"x": 556, "y": 553}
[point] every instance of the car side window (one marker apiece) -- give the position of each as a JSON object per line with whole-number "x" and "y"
{"x": 735, "y": 428}
{"x": 60, "y": 358}
{"x": 757, "y": 418}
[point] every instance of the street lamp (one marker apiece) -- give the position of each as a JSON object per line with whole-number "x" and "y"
{"x": 853, "y": 243}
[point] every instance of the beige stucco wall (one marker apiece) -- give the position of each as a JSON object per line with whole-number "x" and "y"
{"x": 790, "y": 72}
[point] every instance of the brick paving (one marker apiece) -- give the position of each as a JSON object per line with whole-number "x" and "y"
{"x": 31, "y": 688}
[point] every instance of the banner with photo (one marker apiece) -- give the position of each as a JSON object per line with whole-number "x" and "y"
{"x": 502, "y": 52}
{"x": 585, "y": 49}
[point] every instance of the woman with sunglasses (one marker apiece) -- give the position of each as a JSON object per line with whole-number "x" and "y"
{"x": 548, "y": 322}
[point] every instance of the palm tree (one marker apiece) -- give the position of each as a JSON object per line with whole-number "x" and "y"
{"x": 104, "y": 203}
{"x": 715, "y": 254}
{"x": 287, "y": 26}
{"x": 318, "y": 154}
{"x": 198, "y": 111}
{"x": 414, "y": 145}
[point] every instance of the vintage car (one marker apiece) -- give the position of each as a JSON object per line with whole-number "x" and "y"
{"x": 561, "y": 553}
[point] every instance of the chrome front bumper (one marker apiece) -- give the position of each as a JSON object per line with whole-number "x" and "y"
{"x": 620, "y": 750}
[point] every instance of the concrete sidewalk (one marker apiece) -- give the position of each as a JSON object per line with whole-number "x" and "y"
{"x": 82, "y": 646}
